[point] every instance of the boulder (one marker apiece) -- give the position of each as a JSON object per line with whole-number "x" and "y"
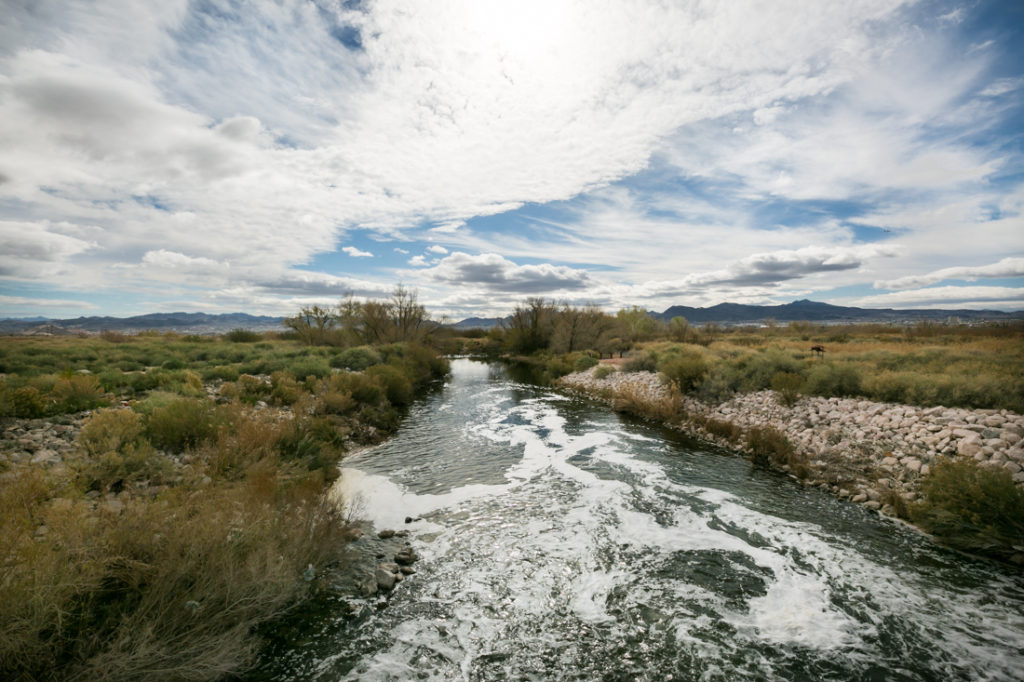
{"x": 406, "y": 556}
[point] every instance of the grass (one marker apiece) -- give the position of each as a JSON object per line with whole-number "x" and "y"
{"x": 973, "y": 367}
{"x": 182, "y": 521}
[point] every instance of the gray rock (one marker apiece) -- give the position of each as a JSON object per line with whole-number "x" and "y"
{"x": 386, "y": 533}
{"x": 406, "y": 556}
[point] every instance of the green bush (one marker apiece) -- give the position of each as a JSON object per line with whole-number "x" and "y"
{"x": 117, "y": 452}
{"x": 242, "y": 336}
{"x": 308, "y": 367}
{"x": 603, "y": 372}
{"x": 787, "y": 386}
{"x": 27, "y": 402}
{"x": 646, "y": 361}
{"x": 755, "y": 372}
{"x": 585, "y": 362}
{"x": 77, "y": 392}
{"x": 396, "y": 385}
{"x": 182, "y": 424}
{"x": 357, "y": 359}
{"x": 684, "y": 372}
{"x": 222, "y": 372}
{"x": 829, "y": 379}
{"x": 972, "y": 508}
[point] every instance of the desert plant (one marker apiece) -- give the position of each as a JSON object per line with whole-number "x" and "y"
{"x": 397, "y": 387}
{"x": 77, "y": 392}
{"x": 26, "y": 402}
{"x": 972, "y": 507}
{"x": 182, "y": 424}
{"x": 684, "y": 372}
{"x": 242, "y": 336}
{"x": 787, "y": 386}
{"x": 603, "y": 372}
{"x": 357, "y": 359}
{"x": 645, "y": 361}
{"x": 584, "y": 362}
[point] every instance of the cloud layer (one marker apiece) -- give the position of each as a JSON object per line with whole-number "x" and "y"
{"x": 632, "y": 152}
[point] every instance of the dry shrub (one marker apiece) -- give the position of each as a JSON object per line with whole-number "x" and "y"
{"x": 116, "y": 452}
{"x": 603, "y": 372}
{"x": 666, "y": 408}
{"x": 787, "y": 386}
{"x": 182, "y": 424}
{"x": 77, "y": 392}
{"x": 723, "y": 429}
{"x": 168, "y": 589}
{"x": 972, "y": 508}
{"x": 767, "y": 446}
{"x": 242, "y": 442}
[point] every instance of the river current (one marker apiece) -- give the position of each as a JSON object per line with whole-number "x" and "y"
{"x": 561, "y": 541}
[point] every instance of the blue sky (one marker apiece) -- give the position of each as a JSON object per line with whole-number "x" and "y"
{"x": 222, "y": 156}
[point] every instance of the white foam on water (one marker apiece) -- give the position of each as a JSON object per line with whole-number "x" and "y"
{"x": 543, "y": 544}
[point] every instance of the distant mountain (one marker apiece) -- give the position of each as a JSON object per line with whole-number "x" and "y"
{"x": 813, "y": 311}
{"x": 479, "y": 322}
{"x": 195, "y": 323}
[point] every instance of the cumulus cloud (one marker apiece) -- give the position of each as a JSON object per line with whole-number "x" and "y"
{"x": 437, "y": 249}
{"x": 496, "y": 273}
{"x": 33, "y": 250}
{"x": 308, "y": 283}
{"x": 356, "y": 253}
{"x": 419, "y": 261}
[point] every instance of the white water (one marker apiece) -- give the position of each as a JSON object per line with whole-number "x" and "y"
{"x": 560, "y": 542}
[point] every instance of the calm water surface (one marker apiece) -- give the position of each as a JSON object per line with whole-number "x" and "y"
{"x": 561, "y": 541}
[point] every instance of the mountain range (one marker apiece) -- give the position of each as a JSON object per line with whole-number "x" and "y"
{"x": 723, "y": 313}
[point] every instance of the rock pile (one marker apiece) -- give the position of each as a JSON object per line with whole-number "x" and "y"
{"x": 861, "y": 450}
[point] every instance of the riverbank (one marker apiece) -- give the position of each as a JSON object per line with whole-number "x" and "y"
{"x": 153, "y": 534}
{"x": 874, "y": 454}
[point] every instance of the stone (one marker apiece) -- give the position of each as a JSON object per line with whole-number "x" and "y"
{"x": 912, "y": 464}
{"x": 386, "y": 533}
{"x": 406, "y": 556}
{"x": 861, "y": 497}
{"x": 1012, "y": 467}
{"x": 968, "y": 448}
{"x": 385, "y": 579}
{"x": 873, "y": 505}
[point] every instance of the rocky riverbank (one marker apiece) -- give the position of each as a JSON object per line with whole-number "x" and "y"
{"x": 874, "y": 454}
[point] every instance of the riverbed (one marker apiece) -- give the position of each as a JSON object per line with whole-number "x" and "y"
{"x": 562, "y": 541}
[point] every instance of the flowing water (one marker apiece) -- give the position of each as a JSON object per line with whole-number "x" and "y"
{"x": 561, "y": 541}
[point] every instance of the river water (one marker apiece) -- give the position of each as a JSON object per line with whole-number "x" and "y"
{"x": 561, "y": 541}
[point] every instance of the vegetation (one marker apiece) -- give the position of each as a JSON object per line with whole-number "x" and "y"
{"x": 192, "y": 509}
{"x": 927, "y": 364}
{"x": 972, "y": 508}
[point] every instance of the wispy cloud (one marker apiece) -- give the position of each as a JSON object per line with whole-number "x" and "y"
{"x": 1007, "y": 267}
{"x": 356, "y": 253}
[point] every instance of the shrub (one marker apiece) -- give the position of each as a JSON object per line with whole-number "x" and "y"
{"x": 972, "y": 508}
{"x": 768, "y": 446}
{"x": 396, "y": 385}
{"x": 242, "y": 336}
{"x": 77, "y": 392}
{"x": 585, "y": 362}
{"x": 641, "y": 362}
{"x": 111, "y": 430}
{"x": 684, "y": 372}
{"x": 174, "y": 363}
{"x": 603, "y": 372}
{"x": 27, "y": 402}
{"x": 284, "y": 389}
{"x": 222, "y": 372}
{"x": 718, "y": 386}
{"x": 756, "y": 372}
{"x": 182, "y": 424}
{"x": 829, "y": 379}
{"x": 723, "y": 429}
{"x": 357, "y": 359}
{"x": 787, "y": 386}
{"x": 309, "y": 367}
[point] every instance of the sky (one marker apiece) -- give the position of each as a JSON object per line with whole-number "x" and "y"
{"x": 260, "y": 156}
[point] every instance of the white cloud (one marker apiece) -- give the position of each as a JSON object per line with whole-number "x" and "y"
{"x": 437, "y": 249}
{"x": 35, "y": 250}
{"x": 1002, "y": 298}
{"x": 356, "y": 253}
{"x": 402, "y": 251}
{"x": 418, "y": 261}
{"x": 495, "y": 273}
{"x": 172, "y": 260}
{"x": 34, "y": 303}
{"x": 1007, "y": 267}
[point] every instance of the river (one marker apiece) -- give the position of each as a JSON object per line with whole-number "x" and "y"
{"x": 561, "y": 541}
